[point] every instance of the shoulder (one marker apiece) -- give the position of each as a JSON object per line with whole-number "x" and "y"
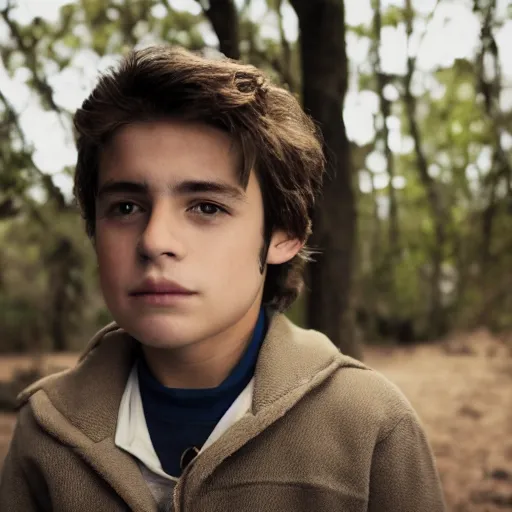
{"x": 354, "y": 394}
{"x": 27, "y": 433}
{"x": 354, "y": 397}
{"x": 54, "y": 379}
{"x": 369, "y": 398}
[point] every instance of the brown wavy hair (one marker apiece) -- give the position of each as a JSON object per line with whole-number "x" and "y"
{"x": 277, "y": 139}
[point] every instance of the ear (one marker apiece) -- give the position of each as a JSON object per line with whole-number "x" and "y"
{"x": 282, "y": 248}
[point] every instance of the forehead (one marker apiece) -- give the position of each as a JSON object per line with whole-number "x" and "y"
{"x": 168, "y": 151}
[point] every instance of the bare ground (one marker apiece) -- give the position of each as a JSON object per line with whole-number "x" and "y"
{"x": 462, "y": 391}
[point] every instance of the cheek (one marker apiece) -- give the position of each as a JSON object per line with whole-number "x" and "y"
{"x": 237, "y": 263}
{"x": 112, "y": 255}
{"x": 237, "y": 248}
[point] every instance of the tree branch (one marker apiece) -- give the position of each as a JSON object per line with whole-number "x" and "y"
{"x": 40, "y": 82}
{"x": 491, "y": 93}
{"x": 286, "y": 53}
{"x": 45, "y": 179}
{"x": 223, "y": 17}
{"x": 410, "y": 102}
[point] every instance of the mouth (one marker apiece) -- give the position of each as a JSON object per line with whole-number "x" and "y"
{"x": 165, "y": 287}
{"x": 161, "y": 292}
{"x": 161, "y": 299}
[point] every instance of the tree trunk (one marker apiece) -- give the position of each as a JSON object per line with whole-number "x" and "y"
{"x": 489, "y": 215}
{"x": 385, "y": 108}
{"x": 223, "y": 16}
{"x": 324, "y": 84}
{"x": 436, "y": 313}
{"x": 372, "y": 294}
{"x": 491, "y": 91}
{"x": 59, "y": 276}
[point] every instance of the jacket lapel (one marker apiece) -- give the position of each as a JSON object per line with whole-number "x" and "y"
{"x": 80, "y": 406}
{"x": 115, "y": 466}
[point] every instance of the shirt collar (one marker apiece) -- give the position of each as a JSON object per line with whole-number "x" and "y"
{"x": 132, "y": 433}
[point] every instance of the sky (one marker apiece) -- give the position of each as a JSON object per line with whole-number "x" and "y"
{"x": 453, "y": 33}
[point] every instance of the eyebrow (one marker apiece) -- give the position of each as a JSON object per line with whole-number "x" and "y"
{"x": 183, "y": 188}
{"x": 122, "y": 187}
{"x": 191, "y": 187}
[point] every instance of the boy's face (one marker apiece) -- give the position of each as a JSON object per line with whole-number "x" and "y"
{"x": 177, "y": 238}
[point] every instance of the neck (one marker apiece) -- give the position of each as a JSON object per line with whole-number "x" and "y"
{"x": 205, "y": 363}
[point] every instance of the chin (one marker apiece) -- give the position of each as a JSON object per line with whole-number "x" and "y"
{"x": 159, "y": 331}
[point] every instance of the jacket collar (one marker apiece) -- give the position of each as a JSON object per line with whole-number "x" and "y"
{"x": 88, "y": 395}
{"x": 80, "y": 406}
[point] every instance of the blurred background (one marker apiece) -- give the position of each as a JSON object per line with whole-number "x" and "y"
{"x": 414, "y": 98}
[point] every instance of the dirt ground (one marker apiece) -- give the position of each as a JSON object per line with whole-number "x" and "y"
{"x": 462, "y": 391}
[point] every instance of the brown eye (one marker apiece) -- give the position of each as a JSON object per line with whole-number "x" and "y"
{"x": 208, "y": 208}
{"x": 126, "y": 208}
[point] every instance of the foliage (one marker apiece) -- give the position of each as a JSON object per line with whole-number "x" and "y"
{"x": 461, "y": 139}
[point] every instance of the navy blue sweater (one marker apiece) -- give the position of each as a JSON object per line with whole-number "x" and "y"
{"x": 179, "y": 419}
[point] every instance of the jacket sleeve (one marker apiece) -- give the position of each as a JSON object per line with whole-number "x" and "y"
{"x": 403, "y": 476}
{"x": 16, "y": 490}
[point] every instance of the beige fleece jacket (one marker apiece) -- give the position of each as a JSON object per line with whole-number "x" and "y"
{"x": 325, "y": 433}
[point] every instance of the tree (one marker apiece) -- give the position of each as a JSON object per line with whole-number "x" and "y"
{"x": 224, "y": 19}
{"x": 490, "y": 88}
{"x": 324, "y": 84}
{"x": 385, "y": 111}
{"x": 436, "y": 322}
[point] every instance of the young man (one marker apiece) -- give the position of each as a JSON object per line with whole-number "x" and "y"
{"x": 197, "y": 181}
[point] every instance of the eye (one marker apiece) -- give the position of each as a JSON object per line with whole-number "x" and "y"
{"x": 124, "y": 208}
{"x": 208, "y": 209}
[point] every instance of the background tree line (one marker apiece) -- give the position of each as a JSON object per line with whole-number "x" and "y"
{"x": 415, "y": 240}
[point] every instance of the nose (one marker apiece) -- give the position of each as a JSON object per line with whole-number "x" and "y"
{"x": 161, "y": 235}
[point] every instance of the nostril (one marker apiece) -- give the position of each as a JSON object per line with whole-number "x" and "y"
{"x": 150, "y": 254}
